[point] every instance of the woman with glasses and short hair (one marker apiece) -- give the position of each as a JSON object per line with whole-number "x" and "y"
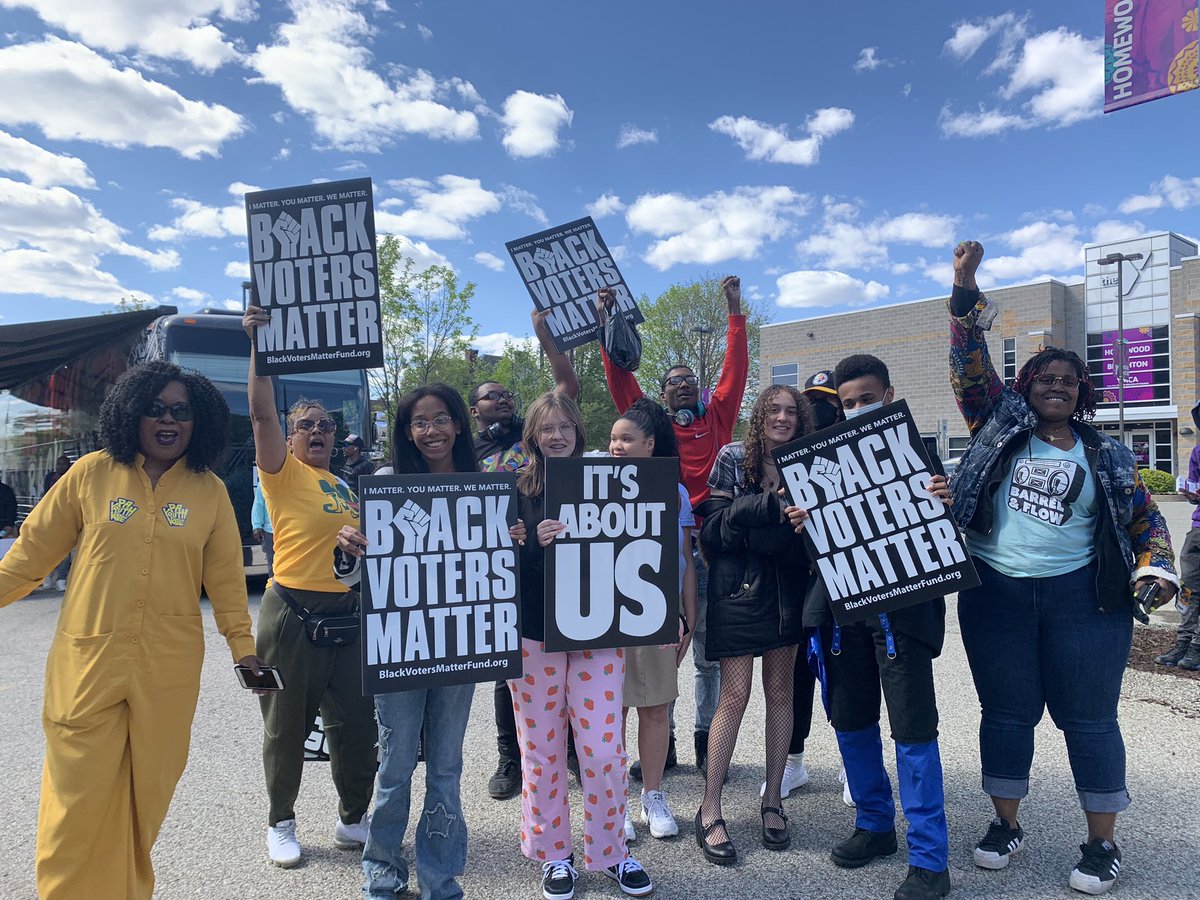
{"x": 152, "y": 524}
{"x": 1062, "y": 532}
{"x": 307, "y": 505}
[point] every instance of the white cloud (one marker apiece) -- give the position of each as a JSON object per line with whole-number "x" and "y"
{"x": 1111, "y": 231}
{"x": 437, "y": 213}
{"x": 868, "y": 61}
{"x": 632, "y": 135}
{"x": 40, "y": 166}
{"x": 422, "y": 255}
{"x": 52, "y": 243}
{"x": 604, "y": 205}
{"x": 171, "y": 29}
{"x": 808, "y": 289}
{"x": 531, "y": 123}
{"x": 1055, "y": 78}
{"x": 906, "y": 90}
{"x": 620, "y": 253}
{"x": 359, "y": 109}
{"x": 716, "y": 227}
{"x": 191, "y": 295}
{"x": 72, "y": 93}
{"x": 771, "y": 142}
{"x": 489, "y": 261}
{"x": 197, "y": 219}
{"x": 238, "y": 268}
{"x": 1177, "y": 193}
{"x": 843, "y": 243}
{"x": 426, "y": 33}
{"x": 493, "y": 344}
{"x": 1040, "y": 248}
{"x": 523, "y": 201}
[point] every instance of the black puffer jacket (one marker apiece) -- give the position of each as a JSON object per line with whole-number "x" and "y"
{"x": 757, "y": 575}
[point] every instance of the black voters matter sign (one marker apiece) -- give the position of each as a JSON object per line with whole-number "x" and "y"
{"x": 563, "y": 268}
{"x": 440, "y": 586}
{"x": 612, "y": 577}
{"x": 313, "y": 267}
{"x": 880, "y": 540}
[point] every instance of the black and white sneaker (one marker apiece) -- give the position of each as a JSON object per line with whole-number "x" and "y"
{"x": 631, "y": 877}
{"x": 1098, "y": 868}
{"x": 558, "y": 879}
{"x": 1000, "y": 843}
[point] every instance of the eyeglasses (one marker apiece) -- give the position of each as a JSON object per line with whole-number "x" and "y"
{"x": 180, "y": 412}
{"x": 325, "y": 426}
{"x": 548, "y": 431}
{"x": 1070, "y": 382}
{"x": 422, "y": 425}
{"x": 496, "y": 395}
{"x": 676, "y": 380}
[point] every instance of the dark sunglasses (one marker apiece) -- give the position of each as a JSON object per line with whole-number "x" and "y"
{"x": 676, "y": 380}
{"x": 497, "y": 395}
{"x": 325, "y": 426}
{"x": 180, "y": 412}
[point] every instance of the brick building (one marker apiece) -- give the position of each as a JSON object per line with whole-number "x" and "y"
{"x": 1161, "y": 332}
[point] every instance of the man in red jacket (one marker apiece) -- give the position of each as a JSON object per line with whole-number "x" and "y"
{"x": 701, "y": 428}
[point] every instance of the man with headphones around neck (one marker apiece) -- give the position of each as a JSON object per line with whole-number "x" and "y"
{"x": 701, "y": 429}
{"x": 499, "y": 448}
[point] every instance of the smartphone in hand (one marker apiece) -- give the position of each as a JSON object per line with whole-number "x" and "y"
{"x": 269, "y": 680}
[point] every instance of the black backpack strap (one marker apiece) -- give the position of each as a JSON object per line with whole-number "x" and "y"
{"x": 301, "y": 613}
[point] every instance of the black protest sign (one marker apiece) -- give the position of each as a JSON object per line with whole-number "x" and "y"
{"x": 612, "y": 577}
{"x": 313, "y": 267}
{"x": 316, "y": 745}
{"x": 440, "y": 586}
{"x": 563, "y": 268}
{"x": 880, "y": 540}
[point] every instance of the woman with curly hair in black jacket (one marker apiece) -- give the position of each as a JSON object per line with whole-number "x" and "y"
{"x": 152, "y": 524}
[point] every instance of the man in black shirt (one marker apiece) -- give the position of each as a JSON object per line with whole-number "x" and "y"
{"x": 357, "y": 464}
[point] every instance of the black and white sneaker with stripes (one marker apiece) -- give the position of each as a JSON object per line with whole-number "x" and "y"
{"x": 1098, "y": 868}
{"x": 998, "y": 845}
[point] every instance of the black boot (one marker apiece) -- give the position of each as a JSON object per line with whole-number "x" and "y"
{"x": 506, "y": 781}
{"x": 1175, "y": 654}
{"x": 1191, "y": 661}
{"x": 862, "y": 847}
{"x": 702, "y": 751}
{"x": 672, "y": 759}
{"x": 923, "y": 884}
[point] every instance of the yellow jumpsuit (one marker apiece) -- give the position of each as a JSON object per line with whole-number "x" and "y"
{"x": 123, "y": 672}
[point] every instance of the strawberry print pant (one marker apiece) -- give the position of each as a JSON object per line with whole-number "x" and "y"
{"x": 586, "y": 685}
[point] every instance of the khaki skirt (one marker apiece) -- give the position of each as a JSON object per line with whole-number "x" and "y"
{"x": 651, "y": 676}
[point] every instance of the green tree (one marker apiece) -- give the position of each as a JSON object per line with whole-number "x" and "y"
{"x": 395, "y": 276}
{"x": 439, "y": 312}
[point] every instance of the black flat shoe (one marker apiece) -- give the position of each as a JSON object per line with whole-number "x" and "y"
{"x": 775, "y": 838}
{"x": 722, "y": 854}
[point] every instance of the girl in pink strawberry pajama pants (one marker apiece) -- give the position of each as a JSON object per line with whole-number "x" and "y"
{"x": 583, "y": 686}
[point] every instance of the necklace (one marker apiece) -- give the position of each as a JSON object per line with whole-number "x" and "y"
{"x": 1051, "y": 437}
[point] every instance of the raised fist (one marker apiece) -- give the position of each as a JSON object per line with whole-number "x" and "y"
{"x": 413, "y": 523}
{"x": 287, "y": 231}
{"x": 605, "y": 298}
{"x": 732, "y": 286}
{"x": 827, "y": 475}
{"x": 967, "y": 257}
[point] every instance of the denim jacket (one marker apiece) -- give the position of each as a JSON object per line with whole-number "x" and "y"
{"x": 1132, "y": 541}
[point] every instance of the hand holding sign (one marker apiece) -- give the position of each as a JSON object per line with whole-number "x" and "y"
{"x": 548, "y": 530}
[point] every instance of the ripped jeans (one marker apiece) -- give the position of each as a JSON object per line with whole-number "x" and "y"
{"x": 441, "y": 833}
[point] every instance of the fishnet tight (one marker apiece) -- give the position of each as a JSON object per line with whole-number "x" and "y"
{"x": 737, "y": 675}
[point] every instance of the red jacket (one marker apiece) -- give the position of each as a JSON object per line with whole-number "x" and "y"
{"x": 700, "y": 441}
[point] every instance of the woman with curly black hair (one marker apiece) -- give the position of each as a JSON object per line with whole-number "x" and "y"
{"x": 307, "y": 505}
{"x": 1062, "y": 531}
{"x": 152, "y": 525}
{"x": 758, "y": 574}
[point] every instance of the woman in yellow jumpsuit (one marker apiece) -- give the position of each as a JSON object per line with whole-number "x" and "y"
{"x": 152, "y": 525}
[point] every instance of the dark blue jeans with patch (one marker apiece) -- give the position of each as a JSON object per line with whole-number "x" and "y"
{"x": 1043, "y": 643}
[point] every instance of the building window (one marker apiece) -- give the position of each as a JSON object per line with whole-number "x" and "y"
{"x": 786, "y": 374}
{"x": 1010, "y": 361}
{"x": 957, "y": 447}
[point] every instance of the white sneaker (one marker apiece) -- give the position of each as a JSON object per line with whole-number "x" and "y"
{"x": 630, "y": 834}
{"x": 282, "y": 846}
{"x": 351, "y": 837}
{"x": 794, "y": 776}
{"x": 657, "y": 814}
{"x": 846, "y": 798}
{"x": 60, "y": 585}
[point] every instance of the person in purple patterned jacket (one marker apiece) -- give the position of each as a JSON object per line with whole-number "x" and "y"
{"x": 1062, "y": 532}
{"x": 1186, "y": 652}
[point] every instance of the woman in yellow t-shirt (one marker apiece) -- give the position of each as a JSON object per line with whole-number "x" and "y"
{"x": 152, "y": 524}
{"x": 307, "y": 504}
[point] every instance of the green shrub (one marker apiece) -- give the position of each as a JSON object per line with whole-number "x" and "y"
{"x": 1158, "y": 482}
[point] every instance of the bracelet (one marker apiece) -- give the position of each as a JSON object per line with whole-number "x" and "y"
{"x": 686, "y": 629}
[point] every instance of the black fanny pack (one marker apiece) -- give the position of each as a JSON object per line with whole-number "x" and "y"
{"x": 323, "y": 629}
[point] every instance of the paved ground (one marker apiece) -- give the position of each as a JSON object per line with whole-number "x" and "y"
{"x": 212, "y": 844}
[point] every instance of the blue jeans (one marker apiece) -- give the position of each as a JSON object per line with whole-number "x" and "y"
{"x": 1043, "y": 643}
{"x": 441, "y": 832}
{"x": 708, "y": 672}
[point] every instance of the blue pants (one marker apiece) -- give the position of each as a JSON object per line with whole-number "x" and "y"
{"x": 441, "y": 832}
{"x": 1043, "y": 643}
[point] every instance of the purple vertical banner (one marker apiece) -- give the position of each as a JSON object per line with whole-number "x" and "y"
{"x": 1149, "y": 50}
{"x": 1139, "y": 367}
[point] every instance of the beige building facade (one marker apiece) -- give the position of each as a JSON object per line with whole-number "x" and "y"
{"x": 1161, "y": 339}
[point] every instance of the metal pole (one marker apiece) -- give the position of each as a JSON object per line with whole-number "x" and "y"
{"x": 1119, "y": 362}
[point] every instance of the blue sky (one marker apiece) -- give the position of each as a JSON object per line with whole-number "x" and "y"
{"x": 830, "y": 154}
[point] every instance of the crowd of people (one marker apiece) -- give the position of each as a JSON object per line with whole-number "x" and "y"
{"x": 1049, "y": 627}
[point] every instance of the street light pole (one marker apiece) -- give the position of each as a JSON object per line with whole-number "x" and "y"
{"x": 1119, "y": 361}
